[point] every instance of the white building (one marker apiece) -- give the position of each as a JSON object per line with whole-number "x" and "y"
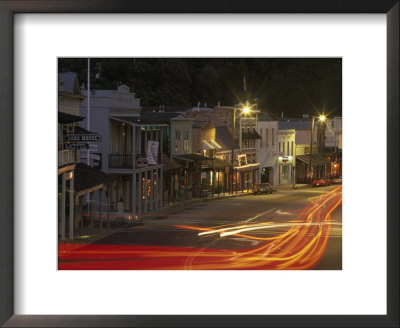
{"x": 287, "y": 158}
{"x": 324, "y": 154}
{"x": 267, "y": 148}
{"x": 130, "y": 149}
{"x": 333, "y": 132}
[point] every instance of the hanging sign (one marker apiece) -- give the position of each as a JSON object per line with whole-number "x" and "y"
{"x": 152, "y": 152}
{"x": 82, "y": 137}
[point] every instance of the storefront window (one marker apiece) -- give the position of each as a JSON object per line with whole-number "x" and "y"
{"x": 177, "y": 140}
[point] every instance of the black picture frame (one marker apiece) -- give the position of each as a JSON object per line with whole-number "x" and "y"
{"x": 10, "y": 7}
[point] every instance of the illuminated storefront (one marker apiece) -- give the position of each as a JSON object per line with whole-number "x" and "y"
{"x": 286, "y": 169}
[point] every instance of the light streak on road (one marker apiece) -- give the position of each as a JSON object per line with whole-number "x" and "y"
{"x": 300, "y": 246}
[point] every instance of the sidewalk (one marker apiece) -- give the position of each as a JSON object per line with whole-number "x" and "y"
{"x": 87, "y": 236}
{"x": 179, "y": 204}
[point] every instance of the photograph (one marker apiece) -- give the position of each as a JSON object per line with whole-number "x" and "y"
{"x": 225, "y": 163}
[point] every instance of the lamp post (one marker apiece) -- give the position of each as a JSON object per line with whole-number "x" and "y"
{"x": 321, "y": 118}
{"x": 245, "y": 109}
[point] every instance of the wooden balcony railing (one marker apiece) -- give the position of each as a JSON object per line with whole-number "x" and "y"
{"x": 120, "y": 161}
{"x": 66, "y": 157}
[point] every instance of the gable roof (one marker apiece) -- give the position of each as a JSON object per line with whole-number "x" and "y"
{"x": 265, "y": 115}
{"x": 161, "y": 117}
{"x": 68, "y": 83}
{"x": 224, "y": 138}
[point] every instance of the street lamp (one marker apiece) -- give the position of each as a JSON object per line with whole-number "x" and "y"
{"x": 321, "y": 118}
{"x": 245, "y": 108}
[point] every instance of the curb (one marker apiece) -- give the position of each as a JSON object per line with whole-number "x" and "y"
{"x": 174, "y": 207}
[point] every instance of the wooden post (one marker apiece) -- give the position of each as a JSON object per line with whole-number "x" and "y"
{"x": 101, "y": 205}
{"x": 80, "y": 211}
{"x": 63, "y": 191}
{"x": 71, "y": 207}
{"x": 91, "y": 211}
{"x": 108, "y": 196}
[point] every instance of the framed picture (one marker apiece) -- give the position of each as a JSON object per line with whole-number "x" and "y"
{"x": 34, "y": 293}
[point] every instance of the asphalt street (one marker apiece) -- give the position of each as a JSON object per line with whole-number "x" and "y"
{"x": 245, "y": 223}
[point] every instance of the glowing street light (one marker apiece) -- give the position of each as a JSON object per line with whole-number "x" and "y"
{"x": 321, "y": 118}
{"x": 245, "y": 109}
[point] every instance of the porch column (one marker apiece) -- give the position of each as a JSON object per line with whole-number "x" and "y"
{"x": 151, "y": 189}
{"x": 139, "y": 193}
{"x": 161, "y": 179}
{"x": 172, "y": 186}
{"x": 114, "y": 194}
{"x": 145, "y": 173}
{"x": 63, "y": 206}
{"x": 140, "y": 141}
{"x": 218, "y": 183}
{"x": 71, "y": 207}
{"x": 134, "y": 196}
{"x": 133, "y": 146}
{"x": 91, "y": 212}
{"x": 157, "y": 190}
{"x": 161, "y": 143}
{"x": 145, "y": 143}
{"x": 80, "y": 211}
{"x": 108, "y": 196}
{"x": 101, "y": 205}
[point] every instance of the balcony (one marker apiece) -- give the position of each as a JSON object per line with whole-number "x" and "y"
{"x": 120, "y": 161}
{"x": 125, "y": 161}
{"x": 66, "y": 157}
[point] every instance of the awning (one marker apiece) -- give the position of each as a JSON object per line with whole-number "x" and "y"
{"x": 80, "y": 130}
{"x": 317, "y": 159}
{"x": 169, "y": 165}
{"x": 247, "y": 167}
{"x": 88, "y": 179}
{"x": 215, "y": 144}
{"x": 245, "y": 135}
{"x": 251, "y": 135}
{"x": 256, "y": 135}
{"x": 206, "y": 145}
{"x": 64, "y": 118}
{"x": 219, "y": 163}
{"x": 191, "y": 157}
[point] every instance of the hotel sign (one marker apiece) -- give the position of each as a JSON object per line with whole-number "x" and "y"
{"x": 80, "y": 146}
{"x": 82, "y": 138}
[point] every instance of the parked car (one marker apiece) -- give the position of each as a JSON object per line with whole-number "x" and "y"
{"x": 321, "y": 182}
{"x": 263, "y": 188}
{"x": 337, "y": 180}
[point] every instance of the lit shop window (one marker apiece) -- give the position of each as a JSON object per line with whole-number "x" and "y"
{"x": 186, "y": 141}
{"x": 177, "y": 140}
